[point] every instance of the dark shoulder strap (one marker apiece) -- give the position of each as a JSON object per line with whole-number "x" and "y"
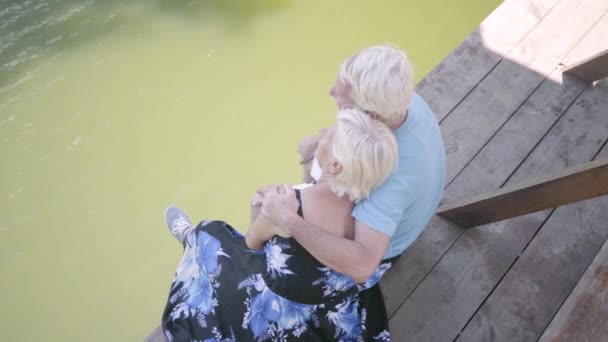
{"x": 299, "y": 199}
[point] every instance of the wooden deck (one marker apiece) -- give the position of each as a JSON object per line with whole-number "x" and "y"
{"x": 509, "y": 115}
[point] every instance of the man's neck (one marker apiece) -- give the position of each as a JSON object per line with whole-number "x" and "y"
{"x": 398, "y": 125}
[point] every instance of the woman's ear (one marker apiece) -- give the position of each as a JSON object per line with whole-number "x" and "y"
{"x": 335, "y": 168}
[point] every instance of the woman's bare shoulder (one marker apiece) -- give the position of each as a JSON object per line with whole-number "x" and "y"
{"x": 330, "y": 213}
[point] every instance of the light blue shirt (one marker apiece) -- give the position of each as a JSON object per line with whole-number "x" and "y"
{"x": 403, "y": 205}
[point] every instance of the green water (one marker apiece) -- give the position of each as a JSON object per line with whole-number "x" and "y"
{"x": 111, "y": 110}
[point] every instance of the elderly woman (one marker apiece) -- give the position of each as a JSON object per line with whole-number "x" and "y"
{"x": 265, "y": 287}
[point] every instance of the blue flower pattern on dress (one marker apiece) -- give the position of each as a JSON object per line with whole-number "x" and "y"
{"x": 333, "y": 282}
{"x": 211, "y": 284}
{"x": 270, "y": 315}
{"x": 376, "y": 276}
{"x": 197, "y": 274}
{"x": 276, "y": 260}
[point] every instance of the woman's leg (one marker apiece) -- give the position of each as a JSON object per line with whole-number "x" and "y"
{"x": 178, "y": 222}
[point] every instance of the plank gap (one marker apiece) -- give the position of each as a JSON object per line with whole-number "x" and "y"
{"x": 543, "y": 137}
{"x": 425, "y": 275}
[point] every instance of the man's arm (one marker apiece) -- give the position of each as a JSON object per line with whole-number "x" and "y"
{"x": 357, "y": 258}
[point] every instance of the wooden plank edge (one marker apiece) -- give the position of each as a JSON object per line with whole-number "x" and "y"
{"x": 590, "y": 69}
{"x": 584, "y": 314}
{"x": 590, "y": 180}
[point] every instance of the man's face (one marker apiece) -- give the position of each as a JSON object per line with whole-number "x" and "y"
{"x": 341, "y": 94}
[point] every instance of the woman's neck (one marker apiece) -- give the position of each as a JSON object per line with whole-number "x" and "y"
{"x": 323, "y": 188}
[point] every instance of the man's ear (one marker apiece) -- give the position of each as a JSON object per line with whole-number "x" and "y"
{"x": 373, "y": 115}
{"x": 335, "y": 168}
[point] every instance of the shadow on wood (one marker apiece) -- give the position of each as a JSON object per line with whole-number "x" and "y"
{"x": 571, "y": 185}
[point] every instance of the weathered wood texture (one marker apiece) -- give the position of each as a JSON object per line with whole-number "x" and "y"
{"x": 443, "y": 88}
{"x": 583, "y": 317}
{"x": 417, "y": 262}
{"x": 525, "y": 300}
{"x": 459, "y": 283}
{"x": 460, "y": 72}
{"x": 592, "y": 43}
{"x": 591, "y": 69}
{"x": 510, "y": 146}
{"x": 565, "y": 187}
{"x": 501, "y": 156}
{"x": 442, "y": 303}
{"x": 481, "y": 114}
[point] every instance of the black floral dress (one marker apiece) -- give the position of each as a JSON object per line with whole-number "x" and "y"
{"x": 224, "y": 291}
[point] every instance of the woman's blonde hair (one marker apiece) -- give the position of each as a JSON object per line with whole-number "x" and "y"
{"x": 367, "y": 151}
{"x": 380, "y": 80}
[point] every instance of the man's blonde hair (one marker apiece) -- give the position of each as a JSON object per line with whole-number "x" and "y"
{"x": 380, "y": 80}
{"x": 367, "y": 151}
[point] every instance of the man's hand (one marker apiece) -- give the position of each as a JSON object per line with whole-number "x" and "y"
{"x": 280, "y": 206}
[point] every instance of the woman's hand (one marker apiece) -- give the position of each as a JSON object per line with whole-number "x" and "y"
{"x": 261, "y": 229}
{"x": 280, "y": 207}
{"x": 258, "y": 199}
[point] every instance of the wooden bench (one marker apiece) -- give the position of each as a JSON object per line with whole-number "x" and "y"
{"x": 571, "y": 185}
{"x": 591, "y": 69}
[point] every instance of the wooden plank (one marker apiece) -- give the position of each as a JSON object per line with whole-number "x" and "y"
{"x": 442, "y": 303}
{"x": 437, "y": 238}
{"x": 488, "y": 171}
{"x": 522, "y": 305}
{"x": 497, "y": 160}
{"x": 156, "y": 336}
{"x": 526, "y": 300}
{"x": 592, "y": 43}
{"x": 401, "y": 280}
{"x": 544, "y": 108}
{"x": 565, "y": 187}
{"x": 500, "y": 94}
{"x": 584, "y": 315}
{"x": 452, "y": 79}
{"x": 590, "y": 69}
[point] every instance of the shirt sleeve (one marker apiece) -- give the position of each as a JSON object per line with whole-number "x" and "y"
{"x": 384, "y": 208}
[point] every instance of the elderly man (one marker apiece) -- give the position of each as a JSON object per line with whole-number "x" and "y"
{"x": 378, "y": 80}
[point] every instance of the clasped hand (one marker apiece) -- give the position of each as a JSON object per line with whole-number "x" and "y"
{"x": 278, "y": 204}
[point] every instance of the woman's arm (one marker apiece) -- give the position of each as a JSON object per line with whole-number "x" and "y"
{"x": 260, "y": 231}
{"x": 260, "y": 228}
{"x": 256, "y": 201}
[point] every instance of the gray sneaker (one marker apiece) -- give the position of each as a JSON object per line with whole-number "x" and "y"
{"x": 177, "y": 220}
